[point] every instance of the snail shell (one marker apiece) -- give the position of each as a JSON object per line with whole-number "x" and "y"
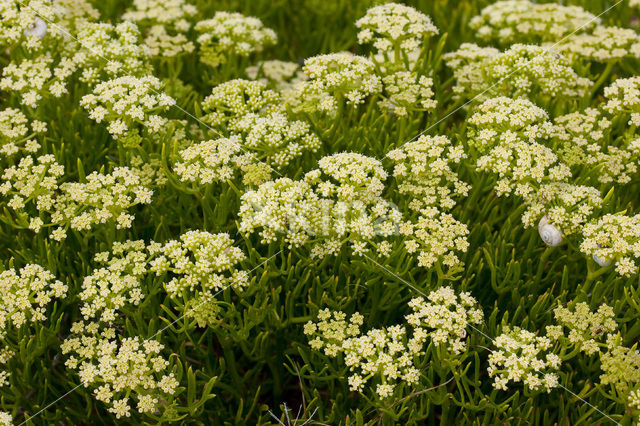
{"x": 551, "y": 235}
{"x": 601, "y": 261}
{"x": 39, "y": 29}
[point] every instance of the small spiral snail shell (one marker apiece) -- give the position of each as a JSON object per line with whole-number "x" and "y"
{"x": 551, "y": 235}
{"x": 39, "y": 29}
{"x": 601, "y": 261}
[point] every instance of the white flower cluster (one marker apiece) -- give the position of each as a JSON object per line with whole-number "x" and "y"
{"x": 329, "y": 334}
{"x": 336, "y": 79}
{"x": 117, "y": 283}
{"x": 584, "y": 144}
{"x": 127, "y": 102}
{"x": 393, "y": 27}
{"x": 444, "y": 318}
{"x": 173, "y": 14}
{"x": 274, "y": 137}
{"x": 623, "y": 97}
{"x": 341, "y": 201}
{"x": 101, "y": 198}
{"x": 149, "y": 170}
{"x": 469, "y": 53}
{"x": 13, "y": 124}
{"x": 423, "y": 170}
{"x": 75, "y": 14}
{"x": 30, "y": 180}
{"x": 582, "y": 133}
{"x": 617, "y": 164}
{"x": 236, "y": 98}
{"x": 164, "y": 24}
{"x": 35, "y": 193}
{"x": 435, "y": 236}
{"x": 191, "y": 268}
{"x": 523, "y": 21}
{"x": 521, "y": 356}
{"x": 6, "y": 419}
{"x": 503, "y": 120}
{"x": 275, "y": 71}
{"x": 217, "y": 161}
{"x": 512, "y": 133}
{"x": 614, "y": 238}
{"x": 5, "y": 356}
{"x": 350, "y": 176}
{"x": 467, "y": 64}
{"x": 620, "y": 366}
{"x": 204, "y": 310}
{"x": 406, "y": 92}
{"x": 587, "y": 330}
{"x": 14, "y": 132}
{"x": 109, "y": 51}
{"x": 199, "y": 263}
{"x": 522, "y": 70}
{"x": 387, "y": 355}
{"x": 24, "y": 296}
{"x": 381, "y": 353}
{"x": 121, "y": 371}
{"x": 228, "y": 34}
{"x": 35, "y": 78}
{"x": 164, "y": 44}
{"x": 564, "y": 205}
{"x": 283, "y": 206}
{"x": 522, "y": 167}
{"x": 248, "y": 109}
{"x": 603, "y": 44}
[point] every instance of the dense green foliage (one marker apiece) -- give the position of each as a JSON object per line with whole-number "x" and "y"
{"x": 244, "y": 358}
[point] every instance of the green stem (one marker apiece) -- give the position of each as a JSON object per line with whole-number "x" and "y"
{"x": 602, "y": 78}
{"x": 593, "y": 274}
{"x": 543, "y": 260}
{"x": 336, "y": 123}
